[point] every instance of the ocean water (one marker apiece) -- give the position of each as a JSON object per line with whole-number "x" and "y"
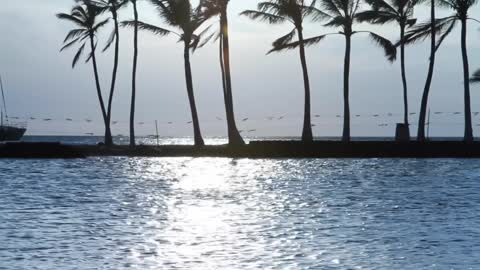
{"x": 222, "y": 213}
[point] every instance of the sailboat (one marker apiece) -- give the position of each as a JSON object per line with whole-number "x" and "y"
{"x": 8, "y": 131}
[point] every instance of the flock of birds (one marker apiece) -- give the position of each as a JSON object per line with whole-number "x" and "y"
{"x": 245, "y": 120}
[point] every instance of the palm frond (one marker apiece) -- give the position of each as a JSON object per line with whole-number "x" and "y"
{"x": 100, "y": 25}
{"x": 381, "y": 5}
{"x": 331, "y": 7}
{"x": 269, "y": 7}
{"x": 263, "y": 16}
{"x": 147, "y": 27}
{"x": 314, "y": 14}
{"x": 285, "y": 39}
{"x": 445, "y": 34}
{"x": 110, "y": 41}
{"x": 70, "y": 44}
{"x": 336, "y": 22}
{"x": 386, "y": 45}
{"x": 74, "y": 34}
{"x": 422, "y": 31}
{"x": 411, "y": 22}
{"x": 375, "y": 17}
{"x": 306, "y": 42}
{"x": 71, "y": 18}
{"x": 77, "y": 55}
{"x": 90, "y": 56}
{"x": 475, "y": 77}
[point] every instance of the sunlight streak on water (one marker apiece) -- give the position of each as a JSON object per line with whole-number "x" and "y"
{"x": 219, "y": 213}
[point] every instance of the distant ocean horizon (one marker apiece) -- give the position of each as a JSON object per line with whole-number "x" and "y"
{"x": 214, "y": 140}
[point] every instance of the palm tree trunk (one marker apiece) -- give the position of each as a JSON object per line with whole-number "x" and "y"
{"x": 109, "y": 141}
{"x": 307, "y": 135}
{"x": 426, "y": 90}
{"x": 404, "y": 78}
{"x": 191, "y": 98}
{"x": 99, "y": 90}
{"x": 234, "y": 137}
{"x": 134, "y": 75}
{"x": 346, "y": 86}
{"x": 468, "y": 137}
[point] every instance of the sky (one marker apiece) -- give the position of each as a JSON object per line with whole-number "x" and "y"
{"x": 40, "y": 82}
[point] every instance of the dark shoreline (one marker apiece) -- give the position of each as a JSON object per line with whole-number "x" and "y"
{"x": 255, "y": 149}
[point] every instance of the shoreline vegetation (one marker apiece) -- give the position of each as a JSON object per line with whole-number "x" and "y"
{"x": 195, "y": 27}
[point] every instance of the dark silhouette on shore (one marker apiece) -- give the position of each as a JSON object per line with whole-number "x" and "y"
{"x": 180, "y": 14}
{"x": 342, "y": 14}
{"x": 84, "y": 17}
{"x": 443, "y": 27}
{"x": 210, "y": 9}
{"x": 293, "y": 11}
{"x": 401, "y": 12}
{"x": 134, "y": 72}
{"x": 111, "y": 6}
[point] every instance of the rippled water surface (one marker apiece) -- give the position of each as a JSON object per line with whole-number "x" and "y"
{"x": 206, "y": 213}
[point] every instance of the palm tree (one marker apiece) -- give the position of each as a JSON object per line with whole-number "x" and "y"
{"x": 443, "y": 27}
{"x": 295, "y": 12}
{"x": 401, "y": 12}
{"x": 213, "y": 8}
{"x": 181, "y": 15}
{"x": 111, "y": 6}
{"x": 134, "y": 71}
{"x": 84, "y": 16}
{"x": 341, "y": 14}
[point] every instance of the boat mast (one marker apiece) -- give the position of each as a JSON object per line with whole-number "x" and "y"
{"x": 4, "y": 108}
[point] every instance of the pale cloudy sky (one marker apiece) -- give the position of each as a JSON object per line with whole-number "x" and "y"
{"x": 40, "y": 82}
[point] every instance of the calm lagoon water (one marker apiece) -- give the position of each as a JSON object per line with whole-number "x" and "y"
{"x": 220, "y": 213}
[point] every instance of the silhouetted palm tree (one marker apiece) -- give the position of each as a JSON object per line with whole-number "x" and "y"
{"x": 134, "y": 70}
{"x": 342, "y": 14}
{"x": 444, "y": 27}
{"x": 181, "y": 15}
{"x": 401, "y": 12}
{"x": 295, "y": 12}
{"x": 475, "y": 77}
{"x": 428, "y": 82}
{"x": 213, "y": 8}
{"x": 84, "y": 16}
{"x": 112, "y": 6}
